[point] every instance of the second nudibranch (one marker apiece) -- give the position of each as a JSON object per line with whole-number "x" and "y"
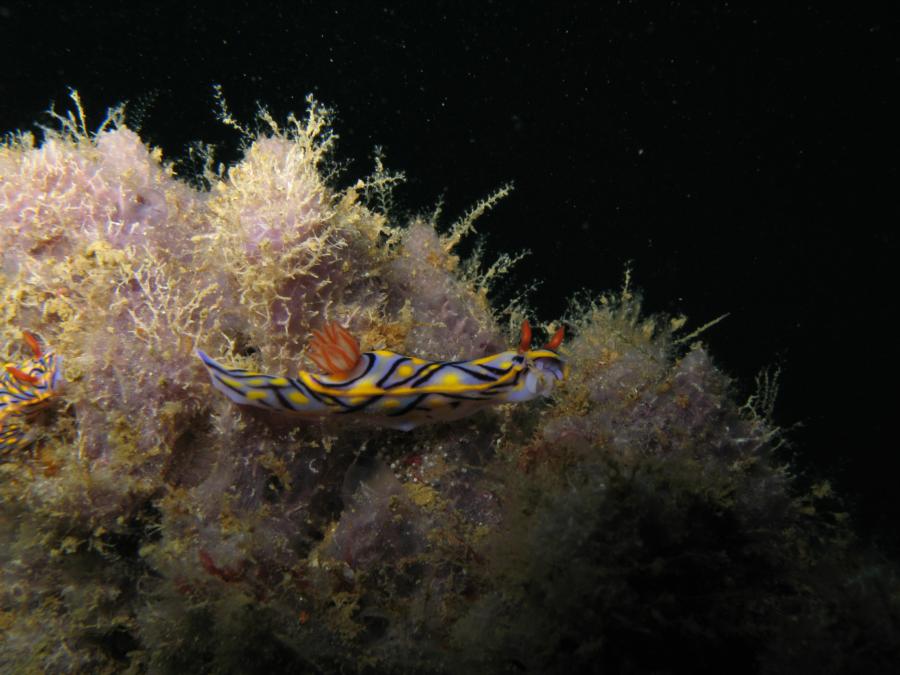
{"x": 393, "y": 390}
{"x": 25, "y": 388}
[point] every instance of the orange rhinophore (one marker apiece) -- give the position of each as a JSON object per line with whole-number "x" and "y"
{"x": 33, "y": 343}
{"x": 557, "y": 339}
{"x": 525, "y": 341}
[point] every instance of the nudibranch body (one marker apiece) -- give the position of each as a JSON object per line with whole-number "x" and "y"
{"x": 393, "y": 390}
{"x": 25, "y": 389}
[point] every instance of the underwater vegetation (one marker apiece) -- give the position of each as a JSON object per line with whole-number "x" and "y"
{"x": 637, "y": 519}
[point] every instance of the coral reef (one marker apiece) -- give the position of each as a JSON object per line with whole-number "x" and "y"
{"x": 639, "y": 521}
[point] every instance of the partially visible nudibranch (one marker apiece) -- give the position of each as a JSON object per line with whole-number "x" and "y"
{"x": 393, "y": 390}
{"x": 25, "y": 388}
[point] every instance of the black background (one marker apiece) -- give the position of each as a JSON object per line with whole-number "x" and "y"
{"x": 743, "y": 159}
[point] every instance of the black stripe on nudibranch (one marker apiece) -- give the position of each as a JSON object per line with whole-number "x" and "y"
{"x": 369, "y": 367}
{"x": 396, "y": 364}
{"x": 360, "y": 406}
{"x": 409, "y": 406}
{"x": 438, "y": 367}
{"x": 484, "y": 377}
{"x": 410, "y": 378}
{"x": 345, "y": 383}
{"x": 281, "y": 399}
{"x": 328, "y": 399}
{"x": 474, "y": 396}
{"x": 14, "y": 387}
{"x": 241, "y": 392}
{"x": 505, "y": 385}
{"x": 235, "y": 372}
{"x": 19, "y": 395}
{"x": 306, "y": 391}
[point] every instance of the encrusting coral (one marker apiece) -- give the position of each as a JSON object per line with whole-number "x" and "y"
{"x": 638, "y": 520}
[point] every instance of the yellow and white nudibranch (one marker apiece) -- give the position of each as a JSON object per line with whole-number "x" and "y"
{"x": 393, "y": 390}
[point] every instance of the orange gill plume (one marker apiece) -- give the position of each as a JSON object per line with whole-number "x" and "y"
{"x": 334, "y": 350}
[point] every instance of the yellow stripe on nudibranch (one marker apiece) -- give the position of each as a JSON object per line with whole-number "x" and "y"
{"x": 368, "y": 389}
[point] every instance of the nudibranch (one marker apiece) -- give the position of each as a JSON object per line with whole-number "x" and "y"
{"x": 392, "y": 390}
{"x": 24, "y": 389}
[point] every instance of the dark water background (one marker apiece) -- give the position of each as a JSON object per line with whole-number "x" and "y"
{"x": 743, "y": 160}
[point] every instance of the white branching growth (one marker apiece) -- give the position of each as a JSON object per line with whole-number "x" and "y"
{"x": 761, "y": 403}
{"x": 466, "y": 224}
{"x": 378, "y": 188}
{"x": 73, "y": 124}
{"x": 164, "y": 316}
